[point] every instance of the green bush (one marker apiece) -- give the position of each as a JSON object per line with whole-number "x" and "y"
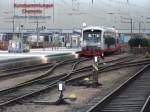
{"x": 109, "y": 41}
{"x": 135, "y": 42}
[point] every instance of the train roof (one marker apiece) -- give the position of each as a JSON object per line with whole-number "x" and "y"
{"x": 99, "y": 28}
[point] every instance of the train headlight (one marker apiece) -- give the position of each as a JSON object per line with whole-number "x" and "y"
{"x": 76, "y": 55}
{"x": 84, "y": 44}
{"x": 99, "y": 44}
{"x": 13, "y": 45}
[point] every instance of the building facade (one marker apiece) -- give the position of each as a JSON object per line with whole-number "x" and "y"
{"x": 130, "y": 16}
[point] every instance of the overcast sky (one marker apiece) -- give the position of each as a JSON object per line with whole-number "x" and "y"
{"x": 72, "y": 13}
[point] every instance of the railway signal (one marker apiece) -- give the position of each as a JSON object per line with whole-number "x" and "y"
{"x": 61, "y": 100}
{"x": 95, "y": 77}
{"x": 61, "y": 88}
{"x": 95, "y": 59}
{"x": 102, "y": 56}
{"x": 95, "y": 67}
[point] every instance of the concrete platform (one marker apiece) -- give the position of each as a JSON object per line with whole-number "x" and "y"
{"x": 4, "y": 55}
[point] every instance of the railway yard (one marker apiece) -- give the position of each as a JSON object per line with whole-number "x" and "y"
{"x": 31, "y": 85}
{"x": 74, "y": 56}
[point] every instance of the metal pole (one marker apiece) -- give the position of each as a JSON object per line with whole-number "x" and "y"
{"x": 139, "y": 27}
{"x": 13, "y": 24}
{"x": 21, "y": 37}
{"x": 22, "y": 28}
{"x": 53, "y": 11}
{"x": 13, "y": 18}
{"x": 95, "y": 73}
{"x": 131, "y": 24}
{"x": 37, "y": 30}
{"x": 95, "y": 77}
{"x": 131, "y": 27}
{"x": 61, "y": 95}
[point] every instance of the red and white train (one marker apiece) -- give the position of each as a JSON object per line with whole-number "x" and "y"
{"x": 93, "y": 41}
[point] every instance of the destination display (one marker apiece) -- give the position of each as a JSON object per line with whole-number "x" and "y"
{"x": 33, "y": 9}
{"x": 33, "y": 5}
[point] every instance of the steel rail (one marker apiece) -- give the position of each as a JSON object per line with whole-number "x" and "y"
{"x": 45, "y": 74}
{"x": 146, "y": 106}
{"x": 106, "y": 69}
{"x": 110, "y": 103}
{"x": 20, "y": 92}
{"x": 61, "y": 77}
{"x": 16, "y": 72}
{"x": 24, "y": 67}
{"x": 64, "y": 77}
{"x": 8, "y": 64}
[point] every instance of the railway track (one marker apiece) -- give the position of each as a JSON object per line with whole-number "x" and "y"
{"x": 14, "y": 72}
{"x": 13, "y": 63}
{"x": 34, "y": 86}
{"x": 129, "y": 97}
{"x": 18, "y": 71}
{"x": 105, "y": 69}
{"x": 24, "y": 67}
{"x": 117, "y": 63}
{"x": 123, "y": 65}
{"x": 40, "y": 84}
{"x": 76, "y": 74}
{"x": 8, "y": 73}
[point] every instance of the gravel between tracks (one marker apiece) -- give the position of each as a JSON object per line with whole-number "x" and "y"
{"x": 19, "y": 79}
{"x": 110, "y": 81}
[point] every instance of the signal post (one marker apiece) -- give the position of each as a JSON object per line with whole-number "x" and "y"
{"x": 95, "y": 77}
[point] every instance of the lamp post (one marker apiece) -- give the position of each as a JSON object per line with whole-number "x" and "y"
{"x": 140, "y": 26}
{"x": 130, "y": 21}
{"x": 53, "y": 11}
{"x": 20, "y": 38}
{"x": 38, "y": 29}
{"x": 21, "y": 27}
{"x": 37, "y": 32}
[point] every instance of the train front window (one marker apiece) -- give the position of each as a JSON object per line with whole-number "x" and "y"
{"x": 92, "y": 36}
